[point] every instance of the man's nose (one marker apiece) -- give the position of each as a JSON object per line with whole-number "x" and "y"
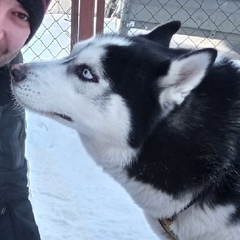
{"x": 18, "y": 72}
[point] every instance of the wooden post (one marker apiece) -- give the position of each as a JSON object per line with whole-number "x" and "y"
{"x": 82, "y": 19}
{"x": 74, "y": 22}
{"x": 86, "y": 19}
{"x": 100, "y": 16}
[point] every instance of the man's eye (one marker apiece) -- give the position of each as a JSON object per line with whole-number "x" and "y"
{"x": 22, "y": 16}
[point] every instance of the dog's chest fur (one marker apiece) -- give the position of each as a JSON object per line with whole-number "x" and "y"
{"x": 192, "y": 223}
{"x": 117, "y": 162}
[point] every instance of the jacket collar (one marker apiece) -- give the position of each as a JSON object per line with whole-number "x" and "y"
{"x": 17, "y": 59}
{"x": 4, "y": 68}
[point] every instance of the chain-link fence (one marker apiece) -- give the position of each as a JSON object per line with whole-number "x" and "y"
{"x": 52, "y": 40}
{"x": 205, "y": 23}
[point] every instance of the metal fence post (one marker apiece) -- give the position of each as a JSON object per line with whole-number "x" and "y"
{"x": 123, "y": 28}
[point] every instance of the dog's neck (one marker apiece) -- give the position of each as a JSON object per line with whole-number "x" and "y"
{"x": 109, "y": 154}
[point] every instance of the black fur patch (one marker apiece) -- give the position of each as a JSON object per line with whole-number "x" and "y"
{"x": 197, "y": 145}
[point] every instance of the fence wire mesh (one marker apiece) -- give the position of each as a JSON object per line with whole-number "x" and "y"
{"x": 52, "y": 40}
{"x": 205, "y": 23}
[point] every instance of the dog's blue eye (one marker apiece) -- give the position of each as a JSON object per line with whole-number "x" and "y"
{"x": 87, "y": 74}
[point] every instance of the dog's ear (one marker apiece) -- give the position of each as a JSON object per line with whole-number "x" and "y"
{"x": 163, "y": 34}
{"x": 184, "y": 75}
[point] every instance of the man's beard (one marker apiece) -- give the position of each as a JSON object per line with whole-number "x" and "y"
{"x": 6, "y": 57}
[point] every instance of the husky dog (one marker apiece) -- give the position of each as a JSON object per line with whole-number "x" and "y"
{"x": 164, "y": 123}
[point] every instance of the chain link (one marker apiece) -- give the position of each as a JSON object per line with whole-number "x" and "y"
{"x": 205, "y": 23}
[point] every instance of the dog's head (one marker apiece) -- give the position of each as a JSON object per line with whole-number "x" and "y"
{"x": 112, "y": 87}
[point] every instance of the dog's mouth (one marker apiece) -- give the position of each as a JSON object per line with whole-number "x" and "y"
{"x": 63, "y": 116}
{"x": 53, "y": 114}
{"x": 47, "y": 113}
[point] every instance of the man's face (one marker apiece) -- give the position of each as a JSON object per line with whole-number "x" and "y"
{"x": 14, "y": 29}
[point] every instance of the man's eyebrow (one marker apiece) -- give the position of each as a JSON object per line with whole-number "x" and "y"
{"x": 20, "y": 6}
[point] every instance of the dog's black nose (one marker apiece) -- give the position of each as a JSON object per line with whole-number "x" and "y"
{"x": 18, "y": 72}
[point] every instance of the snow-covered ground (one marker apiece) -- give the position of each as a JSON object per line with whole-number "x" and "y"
{"x": 72, "y": 198}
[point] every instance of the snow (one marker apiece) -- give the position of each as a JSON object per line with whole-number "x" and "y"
{"x": 73, "y": 199}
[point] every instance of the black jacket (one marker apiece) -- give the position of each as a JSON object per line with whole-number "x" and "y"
{"x": 16, "y": 216}
{"x": 12, "y": 125}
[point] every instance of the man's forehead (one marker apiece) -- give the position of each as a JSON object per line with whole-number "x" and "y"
{"x": 12, "y": 4}
{"x": 20, "y": 6}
